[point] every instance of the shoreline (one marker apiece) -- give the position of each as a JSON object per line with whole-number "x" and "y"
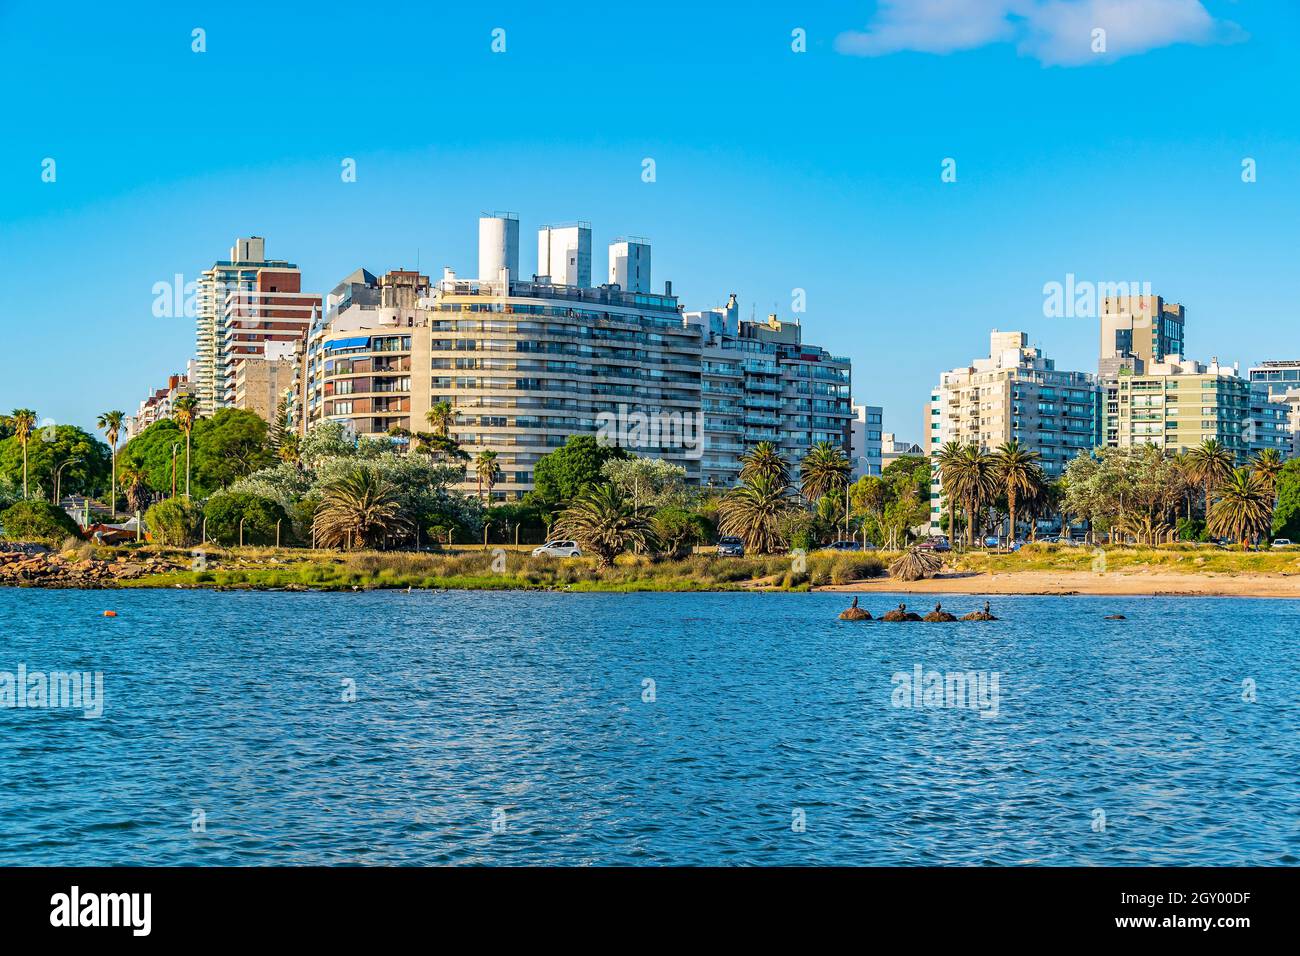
{"x": 1026, "y": 583}
{"x": 1067, "y": 583}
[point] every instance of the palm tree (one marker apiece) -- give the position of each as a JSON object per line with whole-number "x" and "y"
{"x": 111, "y": 424}
{"x": 185, "y": 412}
{"x": 754, "y": 510}
{"x": 947, "y": 459}
{"x": 763, "y": 460}
{"x": 824, "y": 470}
{"x": 135, "y": 483}
{"x": 440, "y": 418}
{"x": 23, "y": 420}
{"x": 1268, "y": 464}
{"x": 1244, "y": 510}
{"x": 1210, "y": 465}
{"x": 487, "y": 469}
{"x": 1016, "y": 470}
{"x": 604, "y": 523}
{"x": 357, "y": 509}
{"x": 290, "y": 450}
{"x": 973, "y": 482}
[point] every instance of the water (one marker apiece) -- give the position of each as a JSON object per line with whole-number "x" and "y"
{"x": 527, "y": 711}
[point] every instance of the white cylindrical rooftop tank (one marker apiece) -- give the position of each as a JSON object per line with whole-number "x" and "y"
{"x": 498, "y": 247}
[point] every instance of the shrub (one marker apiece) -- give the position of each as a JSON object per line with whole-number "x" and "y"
{"x": 848, "y": 568}
{"x": 37, "y": 521}
{"x": 225, "y": 509}
{"x": 174, "y": 522}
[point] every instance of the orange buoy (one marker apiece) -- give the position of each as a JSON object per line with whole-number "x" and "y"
{"x": 110, "y": 614}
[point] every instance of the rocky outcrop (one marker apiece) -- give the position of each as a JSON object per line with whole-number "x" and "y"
{"x": 29, "y": 567}
{"x": 901, "y": 613}
{"x": 855, "y": 613}
{"x": 938, "y": 616}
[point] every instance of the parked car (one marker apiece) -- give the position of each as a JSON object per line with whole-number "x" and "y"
{"x": 558, "y": 549}
{"x": 992, "y": 541}
{"x": 934, "y": 543}
{"x": 730, "y": 546}
{"x": 843, "y": 546}
{"x": 1281, "y": 542}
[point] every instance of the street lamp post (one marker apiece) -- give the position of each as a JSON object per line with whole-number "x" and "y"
{"x": 58, "y": 478}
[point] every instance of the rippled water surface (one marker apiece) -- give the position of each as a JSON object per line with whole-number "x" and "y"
{"x": 527, "y": 711}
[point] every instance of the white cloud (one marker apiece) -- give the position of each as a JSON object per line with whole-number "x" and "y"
{"x": 1055, "y": 32}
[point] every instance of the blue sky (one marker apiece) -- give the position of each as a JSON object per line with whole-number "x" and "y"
{"x": 775, "y": 170}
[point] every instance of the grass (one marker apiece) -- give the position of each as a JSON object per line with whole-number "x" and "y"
{"x": 482, "y": 570}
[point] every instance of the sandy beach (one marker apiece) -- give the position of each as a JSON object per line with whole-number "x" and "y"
{"x": 1149, "y": 583}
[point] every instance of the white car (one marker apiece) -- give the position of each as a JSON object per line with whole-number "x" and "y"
{"x": 558, "y": 549}
{"x": 1281, "y": 542}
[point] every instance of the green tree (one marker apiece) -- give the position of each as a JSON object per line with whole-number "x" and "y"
{"x": 360, "y": 508}
{"x": 1017, "y": 473}
{"x": 680, "y": 529}
{"x": 487, "y": 469}
{"x": 1286, "y": 516}
{"x": 185, "y": 412}
{"x": 440, "y": 418}
{"x": 604, "y": 524}
{"x": 110, "y": 423}
{"x": 649, "y": 482}
{"x": 153, "y": 451}
{"x": 1244, "y": 510}
{"x": 764, "y": 461}
{"x": 174, "y": 522}
{"x": 225, "y": 509}
{"x": 1210, "y": 465}
{"x": 228, "y": 446}
{"x": 569, "y": 470}
{"x": 65, "y": 455}
{"x": 37, "y": 521}
{"x": 1268, "y": 465}
{"x": 824, "y": 471}
{"x": 135, "y": 483}
{"x": 755, "y": 511}
{"x": 971, "y": 479}
{"x": 22, "y": 421}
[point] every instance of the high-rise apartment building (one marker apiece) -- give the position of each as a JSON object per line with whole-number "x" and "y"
{"x": 761, "y": 382}
{"x": 1276, "y": 377}
{"x": 1137, "y": 331}
{"x": 244, "y": 302}
{"x": 523, "y": 364}
{"x": 262, "y": 383}
{"x": 1268, "y": 425}
{"x": 526, "y": 364}
{"x": 1018, "y": 394}
{"x": 1178, "y": 405}
{"x": 867, "y": 440}
{"x": 159, "y": 403}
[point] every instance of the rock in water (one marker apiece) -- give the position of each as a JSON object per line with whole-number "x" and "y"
{"x": 938, "y": 616}
{"x": 901, "y": 613}
{"x": 855, "y": 613}
{"x": 984, "y": 615}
